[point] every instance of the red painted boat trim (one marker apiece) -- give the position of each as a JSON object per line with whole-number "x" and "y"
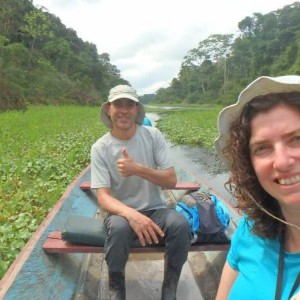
{"x": 55, "y": 244}
{"x": 180, "y": 185}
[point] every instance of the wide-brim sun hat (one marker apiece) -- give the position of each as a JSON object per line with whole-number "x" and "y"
{"x": 122, "y": 92}
{"x": 261, "y": 86}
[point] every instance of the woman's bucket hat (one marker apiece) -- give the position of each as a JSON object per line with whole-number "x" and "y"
{"x": 261, "y": 86}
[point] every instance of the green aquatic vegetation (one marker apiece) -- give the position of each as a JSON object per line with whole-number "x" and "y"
{"x": 191, "y": 127}
{"x": 44, "y": 148}
{"x": 41, "y": 151}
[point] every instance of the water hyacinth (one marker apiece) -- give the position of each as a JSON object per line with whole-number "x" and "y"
{"x": 41, "y": 151}
{"x": 191, "y": 127}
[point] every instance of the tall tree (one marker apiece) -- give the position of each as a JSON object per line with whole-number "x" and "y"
{"x": 37, "y": 24}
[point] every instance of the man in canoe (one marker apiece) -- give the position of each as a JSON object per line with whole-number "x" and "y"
{"x": 129, "y": 165}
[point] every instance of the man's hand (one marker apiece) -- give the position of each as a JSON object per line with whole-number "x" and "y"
{"x": 126, "y": 165}
{"x": 147, "y": 231}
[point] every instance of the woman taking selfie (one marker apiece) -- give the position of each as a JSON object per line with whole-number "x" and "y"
{"x": 259, "y": 141}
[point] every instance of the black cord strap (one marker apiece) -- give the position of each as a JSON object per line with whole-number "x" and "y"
{"x": 280, "y": 266}
{"x": 280, "y": 271}
{"x": 295, "y": 286}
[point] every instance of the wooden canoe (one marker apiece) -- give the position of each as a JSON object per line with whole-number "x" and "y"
{"x": 37, "y": 274}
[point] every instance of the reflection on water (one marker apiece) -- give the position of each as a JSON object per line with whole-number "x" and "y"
{"x": 168, "y": 107}
{"x": 203, "y": 163}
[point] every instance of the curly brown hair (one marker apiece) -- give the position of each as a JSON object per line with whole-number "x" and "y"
{"x": 243, "y": 182}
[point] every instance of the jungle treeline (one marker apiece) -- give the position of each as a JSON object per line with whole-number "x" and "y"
{"x": 222, "y": 65}
{"x": 44, "y": 62}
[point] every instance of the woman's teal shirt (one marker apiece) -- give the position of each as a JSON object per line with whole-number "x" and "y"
{"x": 256, "y": 260}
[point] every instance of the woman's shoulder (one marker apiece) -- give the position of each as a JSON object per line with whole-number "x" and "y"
{"x": 245, "y": 234}
{"x": 244, "y": 229}
{"x": 245, "y": 224}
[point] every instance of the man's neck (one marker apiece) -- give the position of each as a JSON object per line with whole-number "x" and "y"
{"x": 121, "y": 134}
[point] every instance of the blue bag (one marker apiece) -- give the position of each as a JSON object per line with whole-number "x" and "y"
{"x": 213, "y": 215}
{"x": 208, "y": 217}
{"x": 191, "y": 214}
{"x": 221, "y": 211}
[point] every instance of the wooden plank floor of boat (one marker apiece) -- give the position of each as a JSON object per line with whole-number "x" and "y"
{"x": 144, "y": 276}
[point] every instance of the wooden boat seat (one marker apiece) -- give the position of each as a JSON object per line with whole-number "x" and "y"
{"x": 55, "y": 244}
{"x": 181, "y": 185}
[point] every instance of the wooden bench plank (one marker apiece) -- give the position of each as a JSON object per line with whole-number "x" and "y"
{"x": 55, "y": 244}
{"x": 181, "y": 185}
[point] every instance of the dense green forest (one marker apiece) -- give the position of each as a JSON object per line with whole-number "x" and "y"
{"x": 43, "y": 62}
{"x": 221, "y": 65}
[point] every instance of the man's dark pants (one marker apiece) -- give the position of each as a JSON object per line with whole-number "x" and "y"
{"x": 177, "y": 239}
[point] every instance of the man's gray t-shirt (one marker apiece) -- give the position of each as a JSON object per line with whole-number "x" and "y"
{"x": 147, "y": 147}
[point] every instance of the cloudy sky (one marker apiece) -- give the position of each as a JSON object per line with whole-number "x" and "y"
{"x": 147, "y": 40}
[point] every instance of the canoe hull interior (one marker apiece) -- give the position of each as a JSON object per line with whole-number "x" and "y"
{"x": 38, "y": 275}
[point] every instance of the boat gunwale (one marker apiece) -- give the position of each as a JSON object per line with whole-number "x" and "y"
{"x": 12, "y": 272}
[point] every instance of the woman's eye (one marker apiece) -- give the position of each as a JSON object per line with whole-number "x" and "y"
{"x": 296, "y": 139}
{"x": 260, "y": 149}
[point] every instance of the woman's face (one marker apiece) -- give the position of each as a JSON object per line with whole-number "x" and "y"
{"x": 275, "y": 153}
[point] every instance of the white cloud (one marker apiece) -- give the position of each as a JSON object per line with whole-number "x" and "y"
{"x": 147, "y": 40}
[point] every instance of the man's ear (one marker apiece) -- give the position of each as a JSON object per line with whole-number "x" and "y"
{"x": 107, "y": 108}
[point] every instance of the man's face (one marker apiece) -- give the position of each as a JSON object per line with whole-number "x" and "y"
{"x": 122, "y": 113}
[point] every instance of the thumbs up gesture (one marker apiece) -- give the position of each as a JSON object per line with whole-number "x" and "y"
{"x": 124, "y": 153}
{"x": 126, "y": 165}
